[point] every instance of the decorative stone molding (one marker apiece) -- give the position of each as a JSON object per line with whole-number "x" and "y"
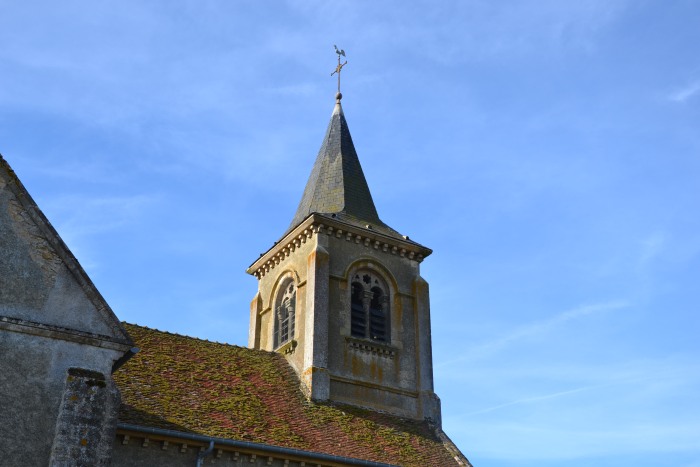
{"x": 56, "y": 332}
{"x": 288, "y": 348}
{"x": 317, "y": 225}
{"x": 371, "y": 347}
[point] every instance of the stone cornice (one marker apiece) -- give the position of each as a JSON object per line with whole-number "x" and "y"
{"x": 71, "y": 335}
{"x": 317, "y": 224}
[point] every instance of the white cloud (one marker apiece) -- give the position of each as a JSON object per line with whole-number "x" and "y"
{"x": 652, "y": 246}
{"x": 529, "y": 441}
{"x": 526, "y": 400}
{"x": 80, "y": 216}
{"x": 617, "y": 408}
{"x": 534, "y": 329}
{"x": 297, "y": 89}
{"x": 685, "y": 93}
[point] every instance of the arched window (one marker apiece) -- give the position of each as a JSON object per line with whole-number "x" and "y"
{"x": 285, "y": 310}
{"x": 369, "y": 307}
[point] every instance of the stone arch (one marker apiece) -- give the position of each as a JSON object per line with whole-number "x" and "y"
{"x": 370, "y": 301}
{"x": 284, "y": 305}
{"x": 372, "y": 264}
{"x": 286, "y": 273}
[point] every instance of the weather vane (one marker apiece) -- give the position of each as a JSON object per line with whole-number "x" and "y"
{"x": 339, "y": 67}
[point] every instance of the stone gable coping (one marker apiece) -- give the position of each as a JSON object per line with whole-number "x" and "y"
{"x": 14, "y": 184}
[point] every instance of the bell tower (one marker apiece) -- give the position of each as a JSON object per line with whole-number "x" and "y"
{"x": 341, "y": 296}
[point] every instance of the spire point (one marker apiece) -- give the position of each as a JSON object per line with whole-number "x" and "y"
{"x": 338, "y": 96}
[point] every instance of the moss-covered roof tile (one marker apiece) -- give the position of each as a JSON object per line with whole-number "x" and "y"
{"x": 196, "y": 386}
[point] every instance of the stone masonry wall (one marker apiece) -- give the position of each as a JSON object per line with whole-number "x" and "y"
{"x": 87, "y": 420}
{"x": 33, "y": 371}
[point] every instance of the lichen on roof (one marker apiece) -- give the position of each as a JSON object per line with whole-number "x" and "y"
{"x": 196, "y": 386}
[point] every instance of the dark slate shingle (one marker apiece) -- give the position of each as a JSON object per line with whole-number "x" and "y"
{"x": 337, "y": 184}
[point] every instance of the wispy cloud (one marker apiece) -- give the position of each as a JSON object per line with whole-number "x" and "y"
{"x": 571, "y": 409}
{"x": 569, "y": 441}
{"x": 686, "y": 92}
{"x": 550, "y": 27}
{"x": 537, "y": 328}
{"x": 80, "y": 216}
{"x": 297, "y": 89}
{"x": 526, "y": 400}
{"x": 652, "y": 246}
{"x": 642, "y": 373}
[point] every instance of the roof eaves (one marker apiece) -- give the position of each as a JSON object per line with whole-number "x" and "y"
{"x": 460, "y": 458}
{"x": 317, "y": 222}
{"x": 327, "y": 459}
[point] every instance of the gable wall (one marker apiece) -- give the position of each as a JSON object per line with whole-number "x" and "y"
{"x": 58, "y": 342}
{"x": 35, "y": 283}
{"x": 33, "y": 377}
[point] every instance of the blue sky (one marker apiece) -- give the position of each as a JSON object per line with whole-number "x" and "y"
{"x": 548, "y": 151}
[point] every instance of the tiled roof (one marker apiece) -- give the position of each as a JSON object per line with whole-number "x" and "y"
{"x": 225, "y": 391}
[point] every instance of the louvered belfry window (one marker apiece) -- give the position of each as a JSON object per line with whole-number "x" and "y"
{"x": 369, "y": 307}
{"x": 285, "y": 311}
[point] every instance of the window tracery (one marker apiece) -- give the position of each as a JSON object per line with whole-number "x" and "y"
{"x": 369, "y": 307}
{"x": 285, "y": 313}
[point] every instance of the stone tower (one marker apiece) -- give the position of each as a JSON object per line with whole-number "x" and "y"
{"x": 341, "y": 296}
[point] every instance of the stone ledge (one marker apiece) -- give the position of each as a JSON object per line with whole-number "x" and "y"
{"x": 66, "y": 334}
{"x": 287, "y": 347}
{"x": 372, "y": 347}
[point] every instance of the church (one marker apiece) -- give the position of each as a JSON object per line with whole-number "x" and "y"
{"x": 337, "y": 372}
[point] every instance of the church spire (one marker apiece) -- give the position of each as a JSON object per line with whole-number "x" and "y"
{"x": 337, "y": 184}
{"x": 337, "y": 187}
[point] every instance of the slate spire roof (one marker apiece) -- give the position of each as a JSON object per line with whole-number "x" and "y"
{"x": 337, "y": 186}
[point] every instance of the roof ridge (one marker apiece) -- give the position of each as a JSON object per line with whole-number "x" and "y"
{"x": 200, "y": 339}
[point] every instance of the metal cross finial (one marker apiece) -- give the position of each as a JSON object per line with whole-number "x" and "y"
{"x": 340, "y": 65}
